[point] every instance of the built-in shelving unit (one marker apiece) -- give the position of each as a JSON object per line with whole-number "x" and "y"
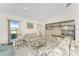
{"x": 67, "y": 28}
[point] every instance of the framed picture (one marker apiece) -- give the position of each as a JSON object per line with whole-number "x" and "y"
{"x": 30, "y": 25}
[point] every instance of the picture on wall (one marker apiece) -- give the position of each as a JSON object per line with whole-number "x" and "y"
{"x": 30, "y": 25}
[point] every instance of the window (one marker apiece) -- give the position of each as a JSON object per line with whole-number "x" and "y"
{"x": 14, "y": 25}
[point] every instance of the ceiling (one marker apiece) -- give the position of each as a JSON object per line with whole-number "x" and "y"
{"x": 34, "y": 11}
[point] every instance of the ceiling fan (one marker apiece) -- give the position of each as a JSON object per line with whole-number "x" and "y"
{"x": 68, "y": 4}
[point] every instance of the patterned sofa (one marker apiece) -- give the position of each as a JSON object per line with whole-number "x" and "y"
{"x": 33, "y": 37}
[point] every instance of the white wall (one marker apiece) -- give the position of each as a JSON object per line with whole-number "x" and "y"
{"x": 23, "y": 27}
{"x": 3, "y": 29}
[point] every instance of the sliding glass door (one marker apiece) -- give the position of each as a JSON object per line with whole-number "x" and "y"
{"x": 13, "y": 26}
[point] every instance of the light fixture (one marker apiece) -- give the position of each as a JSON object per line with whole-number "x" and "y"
{"x": 68, "y": 4}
